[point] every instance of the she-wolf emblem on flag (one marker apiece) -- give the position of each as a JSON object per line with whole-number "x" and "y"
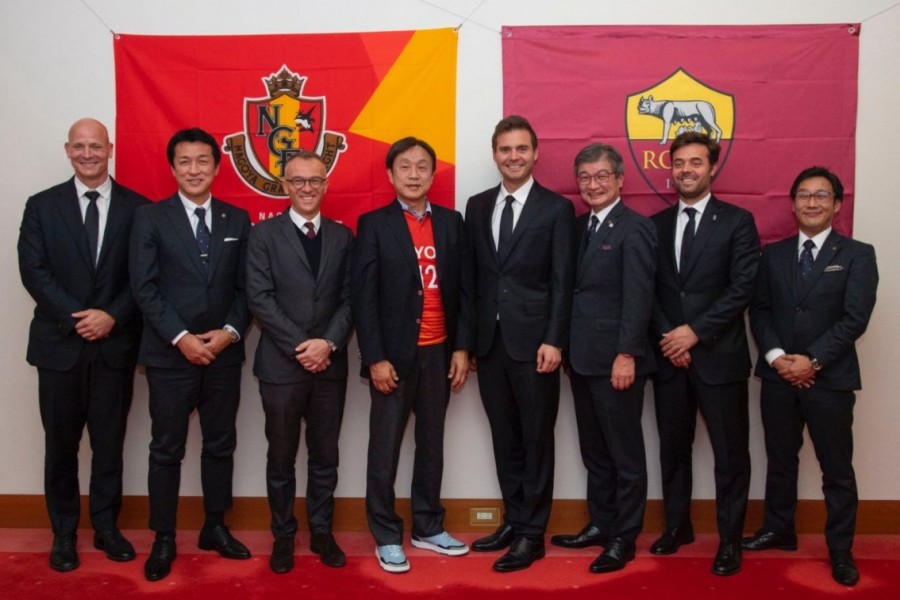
{"x": 276, "y": 128}
{"x": 657, "y": 115}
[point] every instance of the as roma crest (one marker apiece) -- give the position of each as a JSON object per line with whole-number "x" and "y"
{"x": 276, "y": 128}
{"x": 657, "y": 115}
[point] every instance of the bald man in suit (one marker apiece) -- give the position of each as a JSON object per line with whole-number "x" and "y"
{"x": 73, "y": 258}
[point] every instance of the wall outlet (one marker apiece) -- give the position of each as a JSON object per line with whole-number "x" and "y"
{"x": 484, "y": 516}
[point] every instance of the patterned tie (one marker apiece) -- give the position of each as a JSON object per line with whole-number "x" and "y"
{"x": 310, "y": 230}
{"x": 204, "y": 239}
{"x": 687, "y": 240}
{"x": 595, "y": 222}
{"x": 92, "y": 224}
{"x": 806, "y": 258}
{"x": 506, "y": 225}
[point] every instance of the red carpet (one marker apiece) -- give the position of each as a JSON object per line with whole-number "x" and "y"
{"x": 197, "y": 575}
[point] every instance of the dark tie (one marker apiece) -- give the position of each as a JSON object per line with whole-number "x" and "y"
{"x": 92, "y": 223}
{"x": 310, "y": 230}
{"x": 591, "y": 231}
{"x": 806, "y": 258}
{"x": 687, "y": 240}
{"x": 506, "y": 225}
{"x": 203, "y": 237}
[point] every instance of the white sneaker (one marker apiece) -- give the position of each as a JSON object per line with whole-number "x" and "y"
{"x": 442, "y": 543}
{"x": 392, "y": 559}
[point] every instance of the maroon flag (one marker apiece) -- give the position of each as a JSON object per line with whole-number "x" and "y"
{"x": 778, "y": 99}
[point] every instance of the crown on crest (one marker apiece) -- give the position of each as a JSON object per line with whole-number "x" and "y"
{"x": 285, "y": 82}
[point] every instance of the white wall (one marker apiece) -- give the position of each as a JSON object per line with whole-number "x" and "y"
{"x": 56, "y": 65}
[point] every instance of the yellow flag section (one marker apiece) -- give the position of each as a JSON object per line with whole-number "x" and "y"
{"x": 417, "y": 96}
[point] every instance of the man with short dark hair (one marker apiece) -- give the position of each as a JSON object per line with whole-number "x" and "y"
{"x": 298, "y": 288}
{"x": 73, "y": 258}
{"x": 188, "y": 274}
{"x": 521, "y": 238}
{"x": 707, "y": 260}
{"x": 412, "y": 309}
{"x": 815, "y": 296}
{"x": 610, "y": 356}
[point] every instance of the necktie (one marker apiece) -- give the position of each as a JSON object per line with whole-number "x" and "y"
{"x": 92, "y": 224}
{"x": 203, "y": 237}
{"x": 806, "y": 258}
{"x": 591, "y": 231}
{"x": 310, "y": 230}
{"x": 506, "y": 225}
{"x": 687, "y": 240}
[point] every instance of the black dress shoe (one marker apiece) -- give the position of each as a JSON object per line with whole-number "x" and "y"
{"x": 498, "y": 540}
{"x": 326, "y": 547}
{"x": 218, "y": 538}
{"x": 728, "y": 559}
{"x": 589, "y": 536}
{"x": 672, "y": 539}
{"x": 63, "y": 555}
{"x": 115, "y": 546}
{"x": 769, "y": 540}
{"x": 522, "y": 552}
{"x": 843, "y": 569}
{"x": 282, "y": 559}
{"x": 617, "y": 553}
{"x": 159, "y": 563}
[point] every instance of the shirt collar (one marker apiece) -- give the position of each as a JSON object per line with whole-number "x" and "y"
{"x": 818, "y": 239}
{"x": 520, "y": 194}
{"x": 190, "y": 205}
{"x": 601, "y": 216}
{"x": 417, "y": 215}
{"x": 699, "y": 206}
{"x": 300, "y": 221}
{"x": 105, "y": 188}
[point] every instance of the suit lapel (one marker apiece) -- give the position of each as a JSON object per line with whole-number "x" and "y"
{"x": 600, "y": 237}
{"x": 329, "y": 243}
{"x": 786, "y": 264}
{"x": 115, "y": 219}
{"x": 666, "y": 233}
{"x": 439, "y": 230}
{"x": 70, "y": 211}
{"x": 533, "y": 207}
{"x": 288, "y": 231}
{"x": 181, "y": 225}
{"x": 487, "y": 230}
{"x": 397, "y": 224}
{"x": 219, "y": 228}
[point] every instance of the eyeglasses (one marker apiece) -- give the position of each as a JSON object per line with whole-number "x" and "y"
{"x": 820, "y": 196}
{"x": 299, "y": 182}
{"x": 602, "y": 177}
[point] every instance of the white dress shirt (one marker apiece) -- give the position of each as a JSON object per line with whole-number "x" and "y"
{"x": 683, "y": 220}
{"x": 520, "y": 196}
{"x": 105, "y": 191}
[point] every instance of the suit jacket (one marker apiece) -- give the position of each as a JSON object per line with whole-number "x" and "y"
{"x": 822, "y": 316}
{"x": 613, "y": 295}
{"x": 291, "y": 303}
{"x": 530, "y": 286}
{"x": 171, "y": 287}
{"x": 59, "y": 274}
{"x": 712, "y": 291}
{"x": 387, "y": 293}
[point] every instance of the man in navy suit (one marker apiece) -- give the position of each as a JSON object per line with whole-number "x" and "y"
{"x": 187, "y": 265}
{"x": 610, "y": 356}
{"x": 298, "y": 288}
{"x": 815, "y": 295}
{"x": 706, "y": 271}
{"x": 412, "y": 309}
{"x": 521, "y": 238}
{"x": 73, "y": 258}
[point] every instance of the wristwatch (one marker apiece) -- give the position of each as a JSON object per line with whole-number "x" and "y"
{"x": 331, "y": 345}
{"x": 814, "y": 363}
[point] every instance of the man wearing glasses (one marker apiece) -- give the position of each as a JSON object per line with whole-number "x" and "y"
{"x": 815, "y": 295}
{"x": 298, "y": 288}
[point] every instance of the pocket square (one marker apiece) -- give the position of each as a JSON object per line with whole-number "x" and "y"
{"x": 606, "y": 246}
{"x": 232, "y": 239}
{"x": 833, "y": 268}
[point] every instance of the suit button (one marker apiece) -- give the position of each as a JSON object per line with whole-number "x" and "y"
{"x": 797, "y": 309}
{"x": 682, "y": 294}
{"x": 418, "y": 321}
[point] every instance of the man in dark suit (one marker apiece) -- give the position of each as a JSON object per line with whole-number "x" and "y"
{"x": 187, "y": 265}
{"x": 706, "y": 270}
{"x": 412, "y": 309}
{"x": 815, "y": 295}
{"x": 521, "y": 238}
{"x": 298, "y": 288}
{"x": 610, "y": 356}
{"x": 73, "y": 258}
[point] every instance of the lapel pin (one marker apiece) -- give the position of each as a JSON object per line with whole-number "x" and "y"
{"x": 611, "y": 224}
{"x": 715, "y": 217}
{"x": 223, "y": 215}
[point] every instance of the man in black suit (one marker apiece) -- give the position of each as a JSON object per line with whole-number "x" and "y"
{"x": 411, "y": 306}
{"x": 815, "y": 295}
{"x": 610, "y": 356}
{"x": 187, "y": 266}
{"x": 521, "y": 238}
{"x": 298, "y": 288}
{"x": 706, "y": 271}
{"x": 73, "y": 258}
